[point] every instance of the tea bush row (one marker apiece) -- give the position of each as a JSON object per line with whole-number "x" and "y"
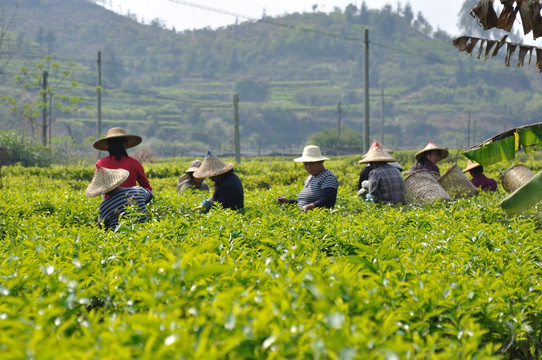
{"x": 448, "y": 280}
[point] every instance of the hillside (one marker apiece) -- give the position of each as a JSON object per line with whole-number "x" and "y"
{"x": 176, "y": 89}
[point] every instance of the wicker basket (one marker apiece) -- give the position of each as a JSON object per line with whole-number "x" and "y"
{"x": 456, "y": 183}
{"x": 421, "y": 187}
{"x": 515, "y": 176}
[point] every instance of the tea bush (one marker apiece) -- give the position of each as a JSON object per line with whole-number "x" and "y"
{"x": 458, "y": 280}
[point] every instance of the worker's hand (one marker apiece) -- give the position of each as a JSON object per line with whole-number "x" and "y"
{"x": 282, "y": 200}
{"x": 204, "y": 206}
{"x": 308, "y": 207}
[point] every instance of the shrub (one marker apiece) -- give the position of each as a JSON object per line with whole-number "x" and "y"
{"x": 20, "y": 149}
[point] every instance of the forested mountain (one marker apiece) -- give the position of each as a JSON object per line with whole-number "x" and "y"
{"x": 291, "y": 73}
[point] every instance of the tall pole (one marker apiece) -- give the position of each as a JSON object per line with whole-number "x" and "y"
{"x": 505, "y": 124}
{"x": 44, "y": 129}
{"x": 99, "y": 93}
{"x": 474, "y": 129}
{"x": 236, "y": 128}
{"x": 468, "y": 130}
{"x": 50, "y": 125}
{"x": 338, "y": 124}
{"x": 366, "y": 127}
{"x": 382, "y": 117}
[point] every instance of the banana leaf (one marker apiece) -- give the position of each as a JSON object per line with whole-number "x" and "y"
{"x": 503, "y": 146}
{"x": 530, "y": 138}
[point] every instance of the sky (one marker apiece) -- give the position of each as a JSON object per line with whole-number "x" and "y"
{"x": 198, "y": 14}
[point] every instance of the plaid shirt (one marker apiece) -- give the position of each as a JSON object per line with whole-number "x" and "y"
{"x": 387, "y": 184}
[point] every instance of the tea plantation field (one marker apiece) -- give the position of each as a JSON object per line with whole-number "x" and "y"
{"x": 456, "y": 280}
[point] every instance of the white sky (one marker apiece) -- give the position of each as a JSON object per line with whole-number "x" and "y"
{"x": 197, "y": 14}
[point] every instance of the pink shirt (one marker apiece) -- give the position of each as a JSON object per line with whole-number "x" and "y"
{"x": 137, "y": 174}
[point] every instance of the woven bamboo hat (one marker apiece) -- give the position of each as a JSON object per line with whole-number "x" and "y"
{"x": 376, "y": 154}
{"x": 421, "y": 187}
{"x": 194, "y": 165}
{"x": 105, "y": 180}
{"x": 311, "y": 153}
{"x": 456, "y": 183}
{"x": 430, "y": 147}
{"x": 515, "y": 176}
{"x": 471, "y": 165}
{"x": 117, "y": 132}
{"x": 212, "y": 166}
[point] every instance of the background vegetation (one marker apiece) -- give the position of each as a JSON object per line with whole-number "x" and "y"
{"x": 175, "y": 88}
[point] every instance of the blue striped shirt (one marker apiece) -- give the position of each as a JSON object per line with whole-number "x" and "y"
{"x": 320, "y": 190}
{"x": 115, "y": 205}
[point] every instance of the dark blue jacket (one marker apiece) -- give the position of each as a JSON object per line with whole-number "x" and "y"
{"x": 229, "y": 192}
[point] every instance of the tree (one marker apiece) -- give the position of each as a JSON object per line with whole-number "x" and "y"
{"x": 350, "y": 11}
{"x": 422, "y": 24}
{"x": 158, "y": 23}
{"x": 408, "y": 14}
{"x": 364, "y": 13}
{"x": 38, "y": 91}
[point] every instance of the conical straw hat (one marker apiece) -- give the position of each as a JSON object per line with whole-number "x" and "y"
{"x": 429, "y": 147}
{"x": 105, "y": 180}
{"x": 311, "y": 153}
{"x": 471, "y": 165}
{"x": 194, "y": 165}
{"x": 117, "y": 132}
{"x": 212, "y": 166}
{"x": 376, "y": 154}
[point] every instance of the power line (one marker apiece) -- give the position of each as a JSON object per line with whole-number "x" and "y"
{"x": 268, "y": 21}
{"x": 302, "y": 29}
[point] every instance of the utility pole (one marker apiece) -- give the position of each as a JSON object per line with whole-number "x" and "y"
{"x": 44, "y": 129}
{"x": 474, "y": 129}
{"x": 338, "y": 124}
{"x": 50, "y": 125}
{"x": 382, "y": 117}
{"x": 468, "y": 130}
{"x": 366, "y": 127}
{"x": 99, "y": 93}
{"x": 505, "y": 124}
{"x": 236, "y": 128}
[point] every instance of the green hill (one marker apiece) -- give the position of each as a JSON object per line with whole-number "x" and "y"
{"x": 176, "y": 89}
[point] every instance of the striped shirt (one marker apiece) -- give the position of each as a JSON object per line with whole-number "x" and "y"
{"x": 115, "y": 205}
{"x": 387, "y": 184}
{"x": 320, "y": 190}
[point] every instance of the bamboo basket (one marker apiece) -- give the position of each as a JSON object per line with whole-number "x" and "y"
{"x": 515, "y": 176}
{"x": 456, "y": 184}
{"x": 421, "y": 187}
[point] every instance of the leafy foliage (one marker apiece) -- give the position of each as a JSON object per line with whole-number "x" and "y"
{"x": 457, "y": 279}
